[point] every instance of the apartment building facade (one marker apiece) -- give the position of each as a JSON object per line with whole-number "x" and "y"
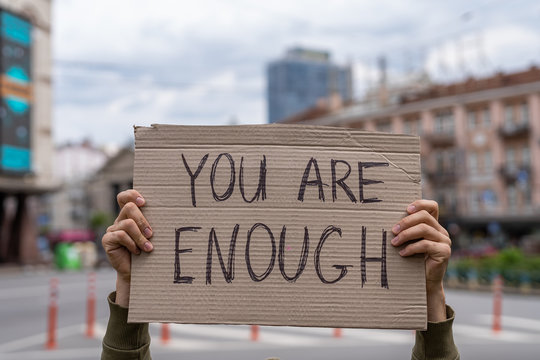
{"x": 480, "y": 148}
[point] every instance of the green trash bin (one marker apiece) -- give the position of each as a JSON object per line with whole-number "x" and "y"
{"x": 67, "y": 257}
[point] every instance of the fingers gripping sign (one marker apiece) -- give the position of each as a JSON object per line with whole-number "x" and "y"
{"x": 431, "y": 238}
{"x": 421, "y": 233}
{"x": 129, "y": 234}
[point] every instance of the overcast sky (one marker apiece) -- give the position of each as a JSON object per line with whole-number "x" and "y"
{"x": 120, "y": 63}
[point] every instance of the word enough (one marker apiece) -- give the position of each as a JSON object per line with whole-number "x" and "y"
{"x": 229, "y": 269}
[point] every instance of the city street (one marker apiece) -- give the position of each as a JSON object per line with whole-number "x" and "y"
{"x": 23, "y": 310}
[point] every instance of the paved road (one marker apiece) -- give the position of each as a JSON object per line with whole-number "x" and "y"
{"x": 24, "y": 299}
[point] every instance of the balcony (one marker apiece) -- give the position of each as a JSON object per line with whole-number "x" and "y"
{"x": 441, "y": 139}
{"x": 448, "y": 210}
{"x": 442, "y": 176}
{"x": 513, "y": 130}
{"x": 513, "y": 173}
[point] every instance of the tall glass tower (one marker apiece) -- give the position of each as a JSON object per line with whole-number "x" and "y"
{"x": 303, "y": 76}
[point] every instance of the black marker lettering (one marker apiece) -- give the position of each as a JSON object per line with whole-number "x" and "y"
{"x": 341, "y": 181}
{"x": 252, "y": 274}
{"x": 303, "y": 256}
{"x": 317, "y": 182}
{"x": 382, "y": 259}
{"x": 228, "y": 273}
{"x": 194, "y": 176}
{"x": 227, "y": 194}
{"x": 178, "y": 279}
{"x": 326, "y": 233}
{"x": 363, "y": 181}
{"x": 261, "y": 188}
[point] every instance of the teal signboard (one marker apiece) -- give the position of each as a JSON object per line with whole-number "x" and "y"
{"x": 15, "y": 94}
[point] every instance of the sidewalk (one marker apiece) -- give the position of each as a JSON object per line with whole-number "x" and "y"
{"x": 14, "y": 269}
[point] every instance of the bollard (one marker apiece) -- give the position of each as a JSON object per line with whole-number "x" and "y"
{"x": 254, "y": 332}
{"x": 91, "y": 305}
{"x": 338, "y": 332}
{"x": 165, "y": 334}
{"x": 497, "y": 303}
{"x": 53, "y": 309}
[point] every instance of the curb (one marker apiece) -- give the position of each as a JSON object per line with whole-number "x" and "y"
{"x": 528, "y": 291}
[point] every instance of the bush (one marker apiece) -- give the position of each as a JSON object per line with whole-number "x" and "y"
{"x": 463, "y": 269}
{"x": 512, "y": 264}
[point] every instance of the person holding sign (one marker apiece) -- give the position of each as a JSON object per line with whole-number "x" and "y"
{"x": 131, "y": 234}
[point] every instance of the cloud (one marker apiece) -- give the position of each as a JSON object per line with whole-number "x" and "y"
{"x": 128, "y": 62}
{"x": 481, "y": 53}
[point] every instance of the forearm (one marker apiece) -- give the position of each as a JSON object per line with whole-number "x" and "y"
{"x": 122, "y": 292}
{"x": 436, "y": 302}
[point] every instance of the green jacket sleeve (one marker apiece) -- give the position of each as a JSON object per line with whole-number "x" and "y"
{"x": 437, "y": 342}
{"x": 124, "y": 341}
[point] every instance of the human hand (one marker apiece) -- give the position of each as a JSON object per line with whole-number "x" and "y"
{"x": 432, "y": 240}
{"x": 128, "y": 235}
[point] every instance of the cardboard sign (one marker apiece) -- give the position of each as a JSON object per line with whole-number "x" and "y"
{"x": 276, "y": 225}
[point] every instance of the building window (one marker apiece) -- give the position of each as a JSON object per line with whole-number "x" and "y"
{"x": 478, "y": 118}
{"x": 489, "y": 199}
{"x": 516, "y": 114}
{"x": 473, "y": 201}
{"x": 444, "y": 122}
{"x": 450, "y": 157}
{"x": 509, "y": 115}
{"x": 510, "y": 159}
{"x": 439, "y": 159}
{"x": 527, "y": 194}
{"x": 441, "y": 199}
{"x": 407, "y": 127}
{"x": 473, "y": 163}
{"x": 511, "y": 194}
{"x": 525, "y": 156}
{"x": 524, "y": 113}
{"x": 452, "y": 200}
{"x": 412, "y": 126}
{"x": 488, "y": 162}
{"x": 471, "y": 117}
{"x": 356, "y": 125}
{"x": 486, "y": 118}
{"x": 384, "y": 126}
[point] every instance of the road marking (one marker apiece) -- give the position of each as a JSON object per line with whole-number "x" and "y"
{"x": 42, "y": 290}
{"x": 512, "y": 321}
{"x": 288, "y": 336}
{"x": 232, "y": 333}
{"x": 39, "y": 338}
{"x": 241, "y": 334}
{"x": 93, "y": 353}
{"x": 384, "y": 336}
{"x": 482, "y": 332}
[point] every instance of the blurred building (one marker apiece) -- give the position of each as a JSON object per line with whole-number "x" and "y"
{"x": 74, "y": 165}
{"x": 302, "y": 77}
{"x": 114, "y": 176}
{"x": 26, "y": 146}
{"x": 480, "y": 142}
